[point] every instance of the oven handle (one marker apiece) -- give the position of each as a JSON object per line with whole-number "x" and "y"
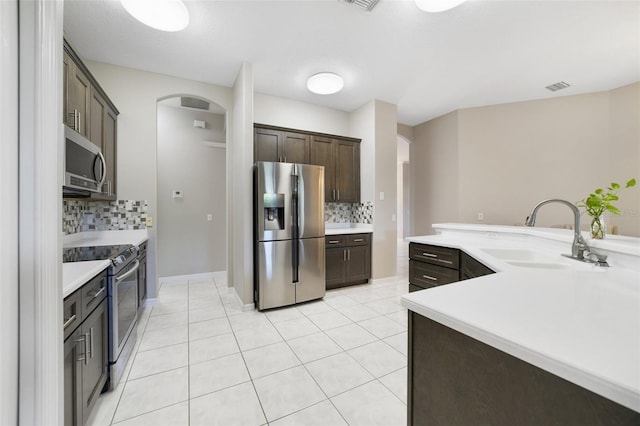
{"x": 129, "y": 272}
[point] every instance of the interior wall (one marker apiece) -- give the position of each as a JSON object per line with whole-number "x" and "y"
{"x": 299, "y": 115}
{"x": 362, "y": 126}
{"x": 241, "y": 213}
{"x": 434, "y": 175}
{"x": 506, "y": 158}
{"x": 135, "y": 93}
{"x": 9, "y": 221}
{"x": 385, "y": 232}
{"x": 188, "y": 242}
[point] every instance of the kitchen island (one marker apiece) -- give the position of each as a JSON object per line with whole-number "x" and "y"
{"x": 544, "y": 340}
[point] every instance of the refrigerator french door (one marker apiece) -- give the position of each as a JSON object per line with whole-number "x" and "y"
{"x": 289, "y": 263}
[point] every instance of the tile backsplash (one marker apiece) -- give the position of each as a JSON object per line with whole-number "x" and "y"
{"x": 81, "y": 215}
{"x": 348, "y": 213}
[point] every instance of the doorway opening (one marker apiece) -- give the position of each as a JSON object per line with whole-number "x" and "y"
{"x": 404, "y": 202}
{"x": 191, "y": 187}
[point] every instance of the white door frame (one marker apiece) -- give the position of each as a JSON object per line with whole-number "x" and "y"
{"x": 41, "y": 380}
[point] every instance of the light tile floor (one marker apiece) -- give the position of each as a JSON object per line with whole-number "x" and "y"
{"x": 200, "y": 360}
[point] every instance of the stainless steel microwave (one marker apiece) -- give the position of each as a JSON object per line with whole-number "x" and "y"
{"x": 85, "y": 166}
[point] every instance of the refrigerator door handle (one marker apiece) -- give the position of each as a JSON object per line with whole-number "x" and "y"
{"x": 294, "y": 228}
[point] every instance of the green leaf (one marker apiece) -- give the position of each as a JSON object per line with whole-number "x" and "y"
{"x": 613, "y": 209}
{"x": 598, "y": 191}
{"x": 615, "y": 185}
{"x": 631, "y": 183}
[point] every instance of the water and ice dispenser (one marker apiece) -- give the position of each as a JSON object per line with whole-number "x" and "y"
{"x": 273, "y": 212}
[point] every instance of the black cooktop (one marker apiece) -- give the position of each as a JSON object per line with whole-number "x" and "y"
{"x": 81, "y": 254}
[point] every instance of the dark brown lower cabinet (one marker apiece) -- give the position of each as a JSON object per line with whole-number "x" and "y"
{"x": 454, "y": 379}
{"x": 347, "y": 259}
{"x": 86, "y": 354}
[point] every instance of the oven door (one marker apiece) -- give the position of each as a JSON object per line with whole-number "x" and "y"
{"x": 123, "y": 307}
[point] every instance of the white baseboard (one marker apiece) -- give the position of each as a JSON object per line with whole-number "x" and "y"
{"x": 192, "y": 277}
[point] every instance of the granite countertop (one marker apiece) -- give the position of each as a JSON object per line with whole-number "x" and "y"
{"x": 347, "y": 228}
{"x": 577, "y": 321}
{"x": 76, "y": 274}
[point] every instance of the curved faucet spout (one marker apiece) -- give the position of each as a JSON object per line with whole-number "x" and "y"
{"x": 579, "y": 245}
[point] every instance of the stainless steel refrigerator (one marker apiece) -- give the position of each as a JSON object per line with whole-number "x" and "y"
{"x": 289, "y": 234}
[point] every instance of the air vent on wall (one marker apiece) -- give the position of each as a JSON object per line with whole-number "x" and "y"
{"x": 558, "y": 86}
{"x": 194, "y": 103}
{"x": 367, "y": 5}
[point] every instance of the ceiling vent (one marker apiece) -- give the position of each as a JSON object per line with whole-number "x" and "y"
{"x": 558, "y": 86}
{"x": 367, "y": 5}
{"x": 194, "y": 103}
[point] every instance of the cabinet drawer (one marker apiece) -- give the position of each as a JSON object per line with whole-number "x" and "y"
{"x": 427, "y": 275}
{"x": 335, "y": 241}
{"x": 442, "y": 256}
{"x": 93, "y": 292}
{"x": 358, "y": 239}
{"x": 71, "y": 313}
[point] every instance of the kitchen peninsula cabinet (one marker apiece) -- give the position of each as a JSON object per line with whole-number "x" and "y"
{"x": 89, "y": 111}
{"x": 347, "y": 259}
{"x": 431, "y": 265}
{"x": 271, "y": 144}
{"x": 86, "y": 346}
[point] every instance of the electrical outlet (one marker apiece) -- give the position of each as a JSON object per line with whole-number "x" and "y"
{"x": 149, "y": 222}
{"x": 480, "y": 216}
{"x": 209, "y": 217}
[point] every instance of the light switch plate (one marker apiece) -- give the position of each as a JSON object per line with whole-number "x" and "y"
{"x": 149, "y": 222}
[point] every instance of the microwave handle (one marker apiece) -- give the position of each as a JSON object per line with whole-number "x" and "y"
{"x": 104, "y": 168}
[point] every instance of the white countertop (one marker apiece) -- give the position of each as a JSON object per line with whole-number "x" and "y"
{"x": 581, "y": 323}
{"x": 76, "y": 274}
{"x": 347, "y": 228}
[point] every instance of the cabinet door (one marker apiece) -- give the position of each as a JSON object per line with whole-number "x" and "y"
{"x": 347, "y": 170}
{"x": 322, "y": 154}
{"x": 73, "y": 353}
{"x": 79, "y": 97}
{"x": 294, "y": 148}
{"x": 96, "y": 119}
{"x": 110, "y": 121}
{"x": 335, "y": 266}
{"x": 95, "y": 370}
{"x": 265, "y": 145}
{"x": 67, "y": 116}
{"x": 358, "y": 263}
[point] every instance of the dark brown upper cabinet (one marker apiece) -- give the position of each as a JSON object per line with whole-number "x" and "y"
{"x": 280, "y": 146}
{"x": 341, "y": 160}
{"x": 89, "y": 111}
{"x": 339, "y": 155}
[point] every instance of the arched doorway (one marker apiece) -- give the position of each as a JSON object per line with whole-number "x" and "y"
{"x": 191, "y": 187}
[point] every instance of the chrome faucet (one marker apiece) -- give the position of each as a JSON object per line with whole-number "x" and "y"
{"x": 579, "y": 248}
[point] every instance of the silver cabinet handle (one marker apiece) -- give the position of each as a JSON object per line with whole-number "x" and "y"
{"x": 91, "y": 344}
{"x": 83, "y": 356}
{"x": 68, "y": 322}
{"x": 445, "y": 261}
{"x": 99, "y": 292}
{"x": 430, "y": 278}
{"x": 344, "y": 255}
{"x": 429, "y": 255}
{"x": 349, "y": 255}
{"x": 358, "y": 240}
{"x": 79, "y": 122}
{"x": 338, "y": 195}
{"x": 334, "y": 195}
{"x": 334, "y": 242}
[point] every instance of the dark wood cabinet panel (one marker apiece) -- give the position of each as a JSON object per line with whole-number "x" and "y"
{"x": 347, "y": 171}
{"x": 142, "y": 276}
{"x": 86, "y": 348}
{"x": 89, "y": 111}
{"x": 295, "y": 148}
{"x": 431, "y": 265}
{"x": 347, "y": 259}
{"x": 322, "y": 155}
{"x": 265, "y": 144}
{"x": 454, "y": 379}
{"x": 275, "y": 145}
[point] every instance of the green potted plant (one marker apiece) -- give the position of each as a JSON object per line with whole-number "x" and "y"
{"x": 599, "y": 202}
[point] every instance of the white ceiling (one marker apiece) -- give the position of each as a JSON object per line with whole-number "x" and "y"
{"x": 480, "y": 53}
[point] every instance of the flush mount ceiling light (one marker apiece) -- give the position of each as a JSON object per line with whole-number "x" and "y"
{"x": 434, "y": 6}
{"x": 325, "y": 83}
{"x": 163, "y": 15}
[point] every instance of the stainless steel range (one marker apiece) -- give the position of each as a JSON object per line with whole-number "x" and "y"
{"x": 123, "y": 299}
